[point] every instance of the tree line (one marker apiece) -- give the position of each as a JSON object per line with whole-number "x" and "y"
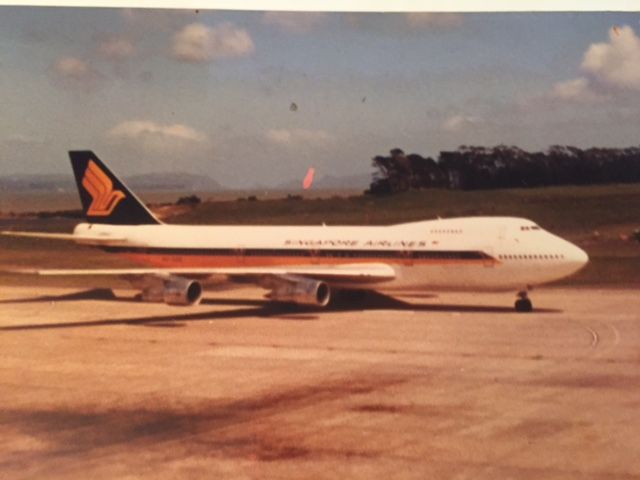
{"x": 475, "y": 168}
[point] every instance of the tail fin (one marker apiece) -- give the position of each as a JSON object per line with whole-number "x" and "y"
{"x": 105, "y": 199}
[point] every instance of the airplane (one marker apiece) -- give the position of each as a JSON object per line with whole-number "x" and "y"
{"x": 307, "y": 265}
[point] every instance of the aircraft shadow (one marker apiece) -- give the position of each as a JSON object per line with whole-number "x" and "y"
{"x": 256, "y": 308}
{"x": 108, "y": 295}
{"x": 93, "y": 294}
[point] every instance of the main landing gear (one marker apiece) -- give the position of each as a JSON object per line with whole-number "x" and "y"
{"x": 523, "y": 303}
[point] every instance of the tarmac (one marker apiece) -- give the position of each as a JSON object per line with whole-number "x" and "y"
{"x": 456, "y": 386}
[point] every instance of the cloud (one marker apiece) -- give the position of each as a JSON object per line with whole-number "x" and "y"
{"x": 157, "y": 137}
{"x": 609, "y": 69}
{"x": 577, "y": 90}
{"x": 433, "y": 20}
{"x": 198, "y": 43}
{"x": 294, "y": 22}
{"x": 116, "y": 48}
{"x": 71, "y": 67}
{"x": 456, "y": 123}
{"x": 616, "y": 63}
{"x": 297, "y": 137}
{"x": 23, "y": 140}
{"x": 74, "y": 72}
{"x": 141, "y": 128}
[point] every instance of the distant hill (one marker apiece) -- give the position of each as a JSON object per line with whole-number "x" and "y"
{"x": 173, "y": 181}
{"x": 152, "y": 181}
{"x": 45, "y": 183}
{"x": 178, "y": 181}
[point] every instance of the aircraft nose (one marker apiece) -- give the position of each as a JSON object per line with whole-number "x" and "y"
{"x": 576, "y": 256}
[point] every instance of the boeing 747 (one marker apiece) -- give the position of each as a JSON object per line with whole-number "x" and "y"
{"x": 306, "y": 265}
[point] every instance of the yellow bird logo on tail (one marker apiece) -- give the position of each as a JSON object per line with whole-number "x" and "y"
{"x": 104, "y": 198}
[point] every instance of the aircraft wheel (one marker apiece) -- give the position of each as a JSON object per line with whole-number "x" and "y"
{"x": 523, "y": 305}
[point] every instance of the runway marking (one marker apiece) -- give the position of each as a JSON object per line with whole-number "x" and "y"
{"x": 616, "y": 334}
{"x": 595, "y": 338}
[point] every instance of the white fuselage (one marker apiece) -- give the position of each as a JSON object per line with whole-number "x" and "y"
{"x": 474, "y": 253}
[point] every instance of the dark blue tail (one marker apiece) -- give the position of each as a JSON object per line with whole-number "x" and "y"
{"x": 105, "y": 199}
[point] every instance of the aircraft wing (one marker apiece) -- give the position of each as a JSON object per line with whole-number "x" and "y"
{"x": 83, "y": 239}
{"x": 356, "y": 273}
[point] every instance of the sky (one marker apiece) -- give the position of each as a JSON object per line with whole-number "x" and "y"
{"x": 257, "y": 98}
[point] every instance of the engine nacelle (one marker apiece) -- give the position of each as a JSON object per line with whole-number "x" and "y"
{"x": 178, "y": 291}
{"x": 182, "y": 292}
{"x": 302, "y": 291}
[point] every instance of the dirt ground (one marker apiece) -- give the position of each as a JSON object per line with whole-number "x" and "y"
{"x": 455, "y": 386}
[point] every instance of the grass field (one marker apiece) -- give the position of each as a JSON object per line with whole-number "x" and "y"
{"x": 596, "y": 217}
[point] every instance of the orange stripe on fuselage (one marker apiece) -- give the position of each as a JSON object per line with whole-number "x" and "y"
{"x": 204, "y": 261}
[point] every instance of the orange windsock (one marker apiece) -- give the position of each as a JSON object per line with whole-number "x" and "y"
{"x": 308, "y": 179}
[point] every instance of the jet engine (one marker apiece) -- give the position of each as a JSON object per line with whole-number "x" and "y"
{"x": 301, "y": 291}
{"x": 182, "y": 292}
{"x": 176, "y": 291}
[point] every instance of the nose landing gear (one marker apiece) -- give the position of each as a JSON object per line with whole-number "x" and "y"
{"x": 523, "y": 303}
